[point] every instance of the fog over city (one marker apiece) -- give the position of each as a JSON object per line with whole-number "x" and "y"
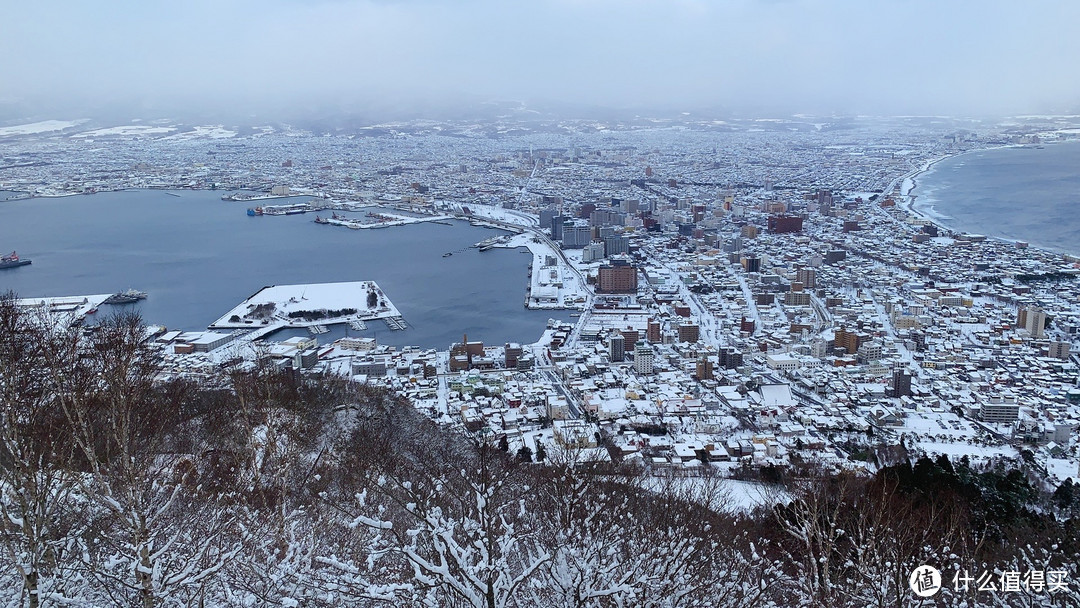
{"x": 276, "y": 57}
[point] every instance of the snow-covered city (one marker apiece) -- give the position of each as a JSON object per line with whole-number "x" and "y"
{"x": 476, "y": 304}
{"x": 750, "y": 302}
{"x": 762, "y": 293}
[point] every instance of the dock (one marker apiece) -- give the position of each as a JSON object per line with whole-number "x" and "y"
{"x": 395, "y": 323}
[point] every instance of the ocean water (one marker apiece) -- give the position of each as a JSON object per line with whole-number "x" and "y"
{"x": 1017, "y": 193}
{"x": 198, "y": 256}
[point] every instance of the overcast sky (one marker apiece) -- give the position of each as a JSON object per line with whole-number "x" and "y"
{"x": 844, "y": 56}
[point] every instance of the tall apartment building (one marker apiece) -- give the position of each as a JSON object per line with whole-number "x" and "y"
{"x": 616, "y": 347}
{"x": 643, "y": 358}
{"x": 1033, "y": 319}
{"x": 850, "y": 341}
{"x": 619, "y": 276}
{"x": 689, "y": 332}
{"x": 576, "y": 235}
{"x": 653, "y": 331}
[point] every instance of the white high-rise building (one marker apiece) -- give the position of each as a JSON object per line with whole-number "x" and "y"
{"x": 1034, "y": 321}
{"x": 643, "y": 358}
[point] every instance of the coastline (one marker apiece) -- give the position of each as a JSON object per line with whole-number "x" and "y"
{"x": 909, "y": 201}
{"x": 909, "y": 182}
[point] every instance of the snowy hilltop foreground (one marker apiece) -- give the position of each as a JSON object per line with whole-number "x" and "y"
{"x": 262, "y": 488}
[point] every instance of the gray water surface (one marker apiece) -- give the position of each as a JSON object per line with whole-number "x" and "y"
{"x": 198, "y": 256}
{"x": 1019, "y": 193}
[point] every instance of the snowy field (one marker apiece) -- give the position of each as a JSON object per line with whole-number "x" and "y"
{"x": 498, "y": 214}
{"x": 946, "y": 433}
{"x": 209, "y": 132}
{"x": 45, "y": 126}
{"x": 726, "y": 495}
{"x": 125, "y": 131}
{"x": 1061, "y": 469}
{"x": 278, "y": 301}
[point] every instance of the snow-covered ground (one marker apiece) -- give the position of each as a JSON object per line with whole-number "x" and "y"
{"x": 208, "y": 132}
{"x": 498, "y": 214}
{"x": 45, "y": 126}
{"x": 287, "y": 299}
{"x": 1061, "y": 469}
{"x": 386, "y": 220}
{"x": 125, "y": 131}
{"x": 728, "y": 495}
{"x": 946, "y": 433}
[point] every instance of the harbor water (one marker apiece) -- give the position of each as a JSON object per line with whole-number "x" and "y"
{"x": 198, "y": 256}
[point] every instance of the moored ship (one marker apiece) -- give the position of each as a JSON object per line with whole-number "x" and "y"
{"x": 295, "y": 209}
{"x": 12, "y": 261}
{"x": 126, "y": 297}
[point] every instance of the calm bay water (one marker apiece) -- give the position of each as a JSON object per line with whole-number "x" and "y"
{"x": 198, "y": 256}
{"x": 1027, "y": 194}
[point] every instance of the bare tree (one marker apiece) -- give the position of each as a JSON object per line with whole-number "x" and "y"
{"x": 464, "y": 528}
{"x": 155, "y": 540}
{"x": 812, "y": 522}
{"x": 623, "y": 538}
{"x": 888, "y": 535}
{"x": 449, "y": 520}
{"x": 281, "y": 435}
{"x": 37, "y": 529}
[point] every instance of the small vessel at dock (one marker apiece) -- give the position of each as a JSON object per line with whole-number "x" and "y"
{"x": 126, "y": 297}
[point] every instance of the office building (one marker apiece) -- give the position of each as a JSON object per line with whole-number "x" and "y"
{"x": 557, "y": 224}
{"x": 616, "y": 244}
